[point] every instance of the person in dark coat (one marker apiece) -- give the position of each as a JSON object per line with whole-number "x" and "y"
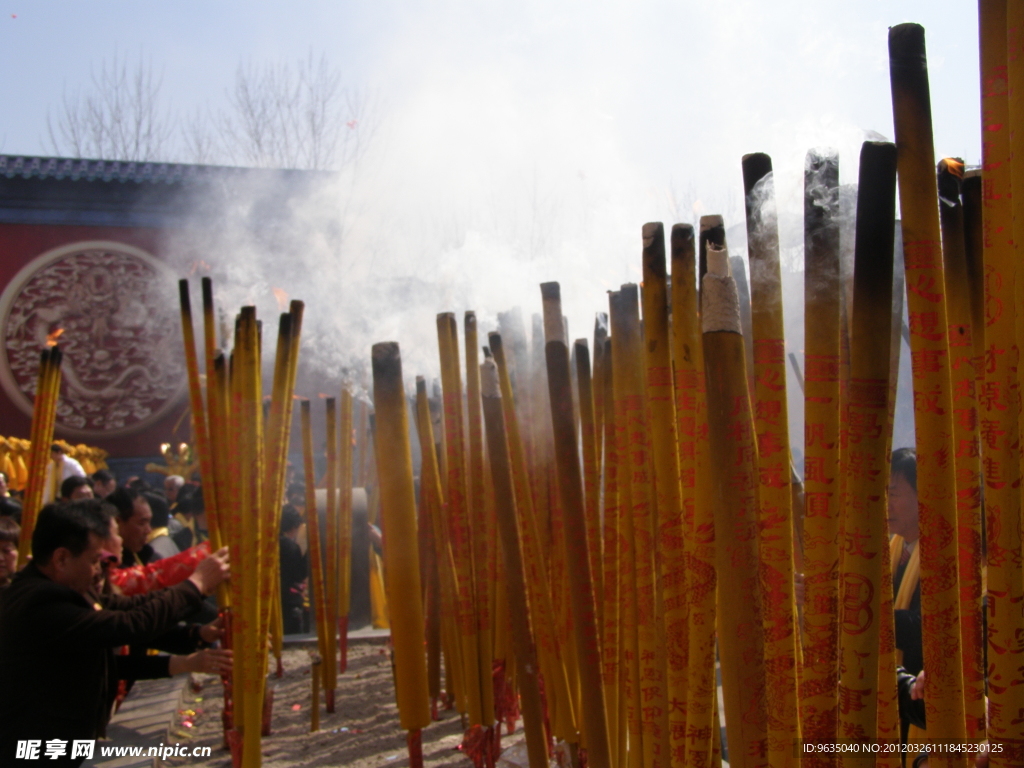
{"x": 294, "y": 569}
{"x": 57, "y": 636}
{"x": 135, "y": 524}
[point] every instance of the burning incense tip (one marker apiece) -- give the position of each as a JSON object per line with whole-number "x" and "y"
{"x": 489, "y": 379}
{"x": 282, "y": 298}
{"x": 720, "y": 309}
{"x": 51, "y": 338}
{"x": 487, "y": 353}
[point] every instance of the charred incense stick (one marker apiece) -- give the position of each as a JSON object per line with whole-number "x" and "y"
{"x": 865, "y": 532}
{"x": 698, "y": 521}
{"x": 734, "y": 475}
{"x": 999, "y": 406}
{"x": 570, "y": 487}
{"x": 771, "y": 424}
{"x": 968, "y": 455}
{"x": 819, "y": 694}
{"x": 936, "y": 463}
{"x": 526, "y": 658}
{"x": 402, "y": 568}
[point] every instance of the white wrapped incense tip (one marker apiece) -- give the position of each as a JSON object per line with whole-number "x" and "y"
{"x": 718, "y": 261}
{"x": 554, "y": 323}
{"x": 720, "y": 302}
{"x": 489, "y": 379}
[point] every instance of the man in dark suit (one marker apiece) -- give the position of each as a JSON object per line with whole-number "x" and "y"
{"x": 57, "y": 637}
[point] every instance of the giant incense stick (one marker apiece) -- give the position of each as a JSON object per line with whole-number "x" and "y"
{"x": 458, "y": 516}
{"x": 211, "y": 484}
{"x": 525, "y": 654}
{"x": 657, "y": 361}
{"x": 316, "y": 566}
{"x": 630, "y": 731}
{"x": 44, "y": 411}
{"x": 280, "y": 409}
{"x": 612, "y": 613}
{"x": 552, "y": 668}
{"x": 590, "y": 476}
{"x": 819, "y": 694}
{"x": 698, "y": 521}
{"x": 401, "y": 558}
{"x": 195, "y": 393}
{"x": 330, "y": 666}
{"x": 433, "y": 500}
{"x": 771, "y": 424}
{"x": 570, "y": 487}
{"x": 998, "y": 403}
{"x": 478, "y": 520}
{"x": 865, "y": 534}
{"x": 250, "y": 649}
{"x": 734, "y": 475}
{"x": 940, "y": 605}
{"x": 965, "y": 424}
{"x": 344, "y": 523}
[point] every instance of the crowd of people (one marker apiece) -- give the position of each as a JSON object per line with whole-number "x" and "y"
{"x": 117, "y": 571}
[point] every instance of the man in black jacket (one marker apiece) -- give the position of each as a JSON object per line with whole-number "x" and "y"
{"x": 57, "y": 637}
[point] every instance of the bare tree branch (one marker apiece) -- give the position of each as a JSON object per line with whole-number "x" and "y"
{"x": 119, "y": 118}
{"x": 302, "y": 118}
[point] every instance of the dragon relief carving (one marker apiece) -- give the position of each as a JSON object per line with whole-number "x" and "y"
{"x": 123, "y": 365}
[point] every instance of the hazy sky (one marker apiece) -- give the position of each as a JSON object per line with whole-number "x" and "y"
{"x": 529, "y": 140}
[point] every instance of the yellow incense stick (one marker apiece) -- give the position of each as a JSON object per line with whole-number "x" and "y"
{"x": 501, "y": 471}
{"x": 699, "y": 528}
{"x": 537, "y": 581}
{"x": 997, "y": 404}
{"x": 401, "y": 556}
{"x": 670, "y": 546}
{"x": 431, "y": 487}
{"x": 345, "y": 523}
{"x": 819, "y": 693}
{"x": 570, "y": 486}
{"x": 865, "y": 534}
{"x": 936, "y": 462}
{"x": 590, "y": 465}
{"x": 771, "y": 423}
{"x": 734, "y": 475}
{"x": 478, "y": 520}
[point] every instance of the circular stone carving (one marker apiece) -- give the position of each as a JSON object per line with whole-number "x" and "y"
{"x": 123, "y": 367}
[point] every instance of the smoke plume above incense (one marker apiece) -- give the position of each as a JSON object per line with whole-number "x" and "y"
{"x": 524, "y": 144}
